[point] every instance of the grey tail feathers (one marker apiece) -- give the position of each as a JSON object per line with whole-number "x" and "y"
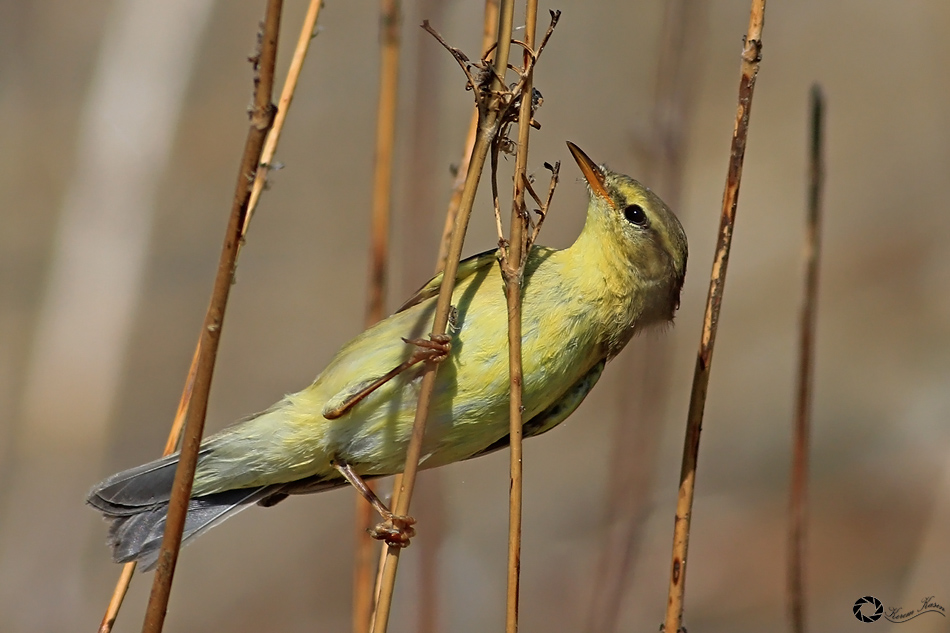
{"x": 136, "y": 501}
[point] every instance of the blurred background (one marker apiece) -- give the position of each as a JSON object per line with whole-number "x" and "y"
{"x": 122, "y": 127}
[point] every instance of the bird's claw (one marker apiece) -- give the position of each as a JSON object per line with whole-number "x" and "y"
{"x": 434, "y": 349}
{"x": 394, "y": 530}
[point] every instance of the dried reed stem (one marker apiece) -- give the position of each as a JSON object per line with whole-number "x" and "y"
{"x": 307, "y": 33}
{"x": 490, "y": 116}
{"x": 458, "y": 185}
{"x": 488, "y": 34}
{"x": 118, "y": 595}
{"x": 420, "y": 191}
{"x": 385, "y": 139}
{"x": 366, "y": 568}
{"x": 262, "y": 117}
{"x": 174, "y": 435}
{"x": 365, "y": 573}
{"x": 489, "y": 30}
{"x": 270, "y": 147}
{"x": 751, "y": 55}
{"x": 513, "y": 255}
{"x": 414, "y": 451}
{"x": 798, "y": 497}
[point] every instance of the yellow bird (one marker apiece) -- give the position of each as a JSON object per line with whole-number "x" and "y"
{"x": 581, "y": 305}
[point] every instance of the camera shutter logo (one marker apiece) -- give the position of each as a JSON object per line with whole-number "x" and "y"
{"x": 874, "y": 602}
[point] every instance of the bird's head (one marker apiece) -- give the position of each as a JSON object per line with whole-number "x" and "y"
{"x": 634, "y": 222}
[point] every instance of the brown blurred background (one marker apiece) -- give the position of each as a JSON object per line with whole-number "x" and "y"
{"x": 121, "y": 129}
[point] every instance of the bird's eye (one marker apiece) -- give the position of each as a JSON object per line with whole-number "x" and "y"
{"x": 635, "y": 215}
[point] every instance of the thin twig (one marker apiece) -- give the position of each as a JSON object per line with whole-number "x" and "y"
{"x": 174, "y": 433}
{"x": 489, "y": 29}
{"x": 493, "y": 101}
{"x": 307, "y": 33}
{"x": 513, "y": 257}
{"x": 390, "y": 45}
{"x": 118, "y": 596}
{"x": 751, "y": 56}
{"x": 270, "y": 147}
{"x": 385, "y": 140}
{"x": 543, "y": 205}
{"x": 487, "y": 96}
{"x": 262, "y": 117}
{"x": 798, "y": 498}
{"x": 365, "y": 571}
{"x": 171, "y": 444}
{"x": 463, "y": 61}
{"x": 496, "y": 207}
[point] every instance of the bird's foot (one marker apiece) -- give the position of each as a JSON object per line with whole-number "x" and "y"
{"x": 394, "y": 530}
{"x": 434, "y": 349}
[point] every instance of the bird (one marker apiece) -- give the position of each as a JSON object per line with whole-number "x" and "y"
{"x": 580, "y": 307}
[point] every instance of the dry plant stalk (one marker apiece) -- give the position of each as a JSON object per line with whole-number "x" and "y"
{"x": 798, "y": 498}
{"x": 307, "y": 33}
{"x": 270, "y": 147}
{"x": 118, "y": 596}
{"x": 385, "y": 139}
{"x": 174, "y": 435}
{"x": 751, "y": 56}
{"x": 513, "y": 254}
{"x": 489, "y": 29}
{"x": 262, "y": 117}
{"x": 494, "y": 101}
{"x": 364, "y": 573}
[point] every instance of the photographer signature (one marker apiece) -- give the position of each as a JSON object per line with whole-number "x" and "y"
{"x": 927, "y": 605}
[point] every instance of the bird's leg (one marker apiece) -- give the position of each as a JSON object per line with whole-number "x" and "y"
{"x": 395, "y": 530}
{"x": 434, "y": 349}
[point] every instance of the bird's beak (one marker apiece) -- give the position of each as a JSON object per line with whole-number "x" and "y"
{"x": 593, "y": 173}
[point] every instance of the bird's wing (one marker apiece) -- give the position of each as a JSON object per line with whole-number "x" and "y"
{"x": 352, "y": 393}
{"x": 554, "y": 414}
{"x": 467, "y": 268}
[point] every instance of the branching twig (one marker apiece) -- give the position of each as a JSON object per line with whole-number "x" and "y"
{"x": 262, "y": 117}
{"x": 545, "y": 205}
{"x": 751, "y": 55}
{"x": 486, "y": 76}
{"x": 493, "y": 106}
{"x": 488, "y": 32}
{"x": 798, "y": 497}
{"x": 463, "y": 61}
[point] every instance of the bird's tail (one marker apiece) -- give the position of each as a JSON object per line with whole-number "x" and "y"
{"x": 136, "y": 501}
